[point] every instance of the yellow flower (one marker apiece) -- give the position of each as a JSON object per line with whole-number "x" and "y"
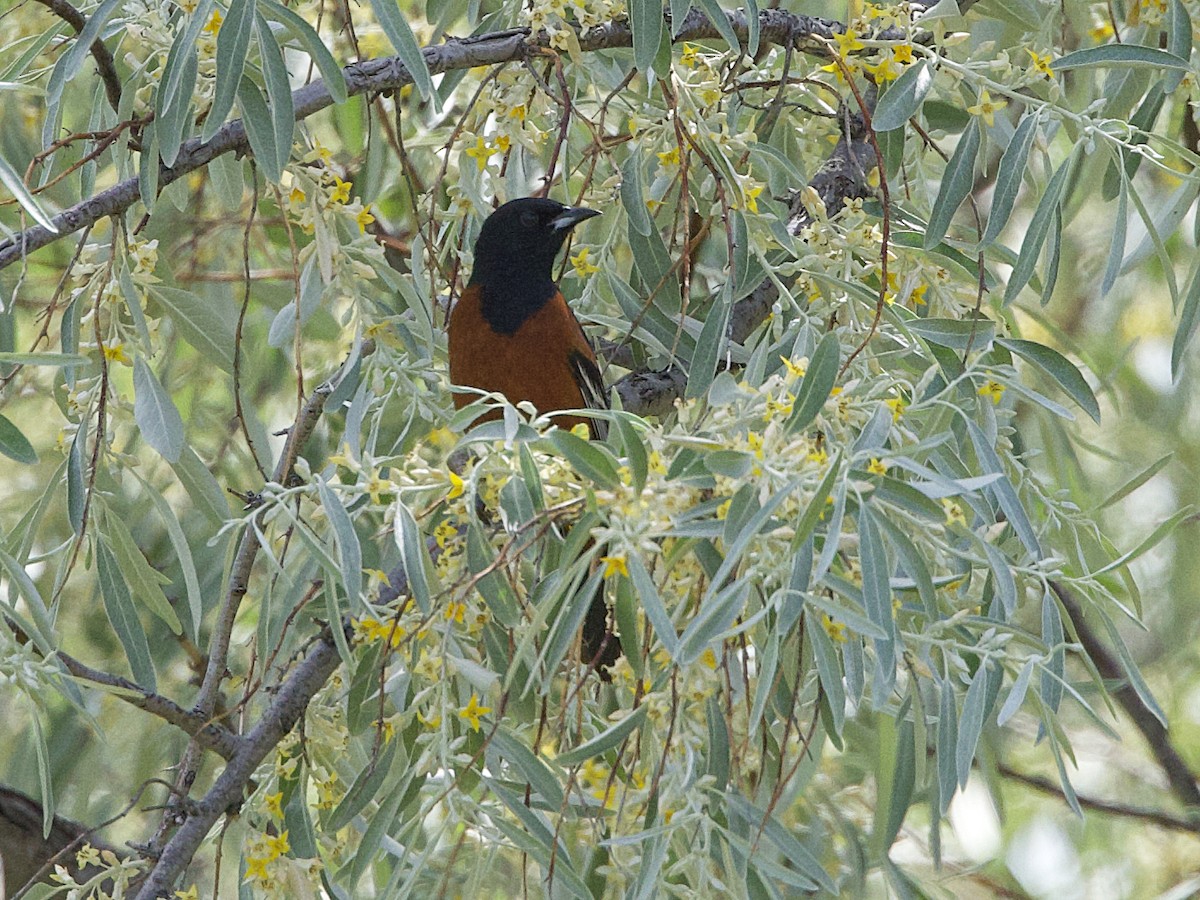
{"x": 296, "y": 196}
{"x": 455, "y": 612}
{"x": 669, "y": 157}
{"x": 818, "y": 456}
{"x": 579, "y": 262}
{"x": 214, "y": 24}
{"x": 502, "y": 143}
{"x": 835, "y": 630}
{"x": 432, "y": 722}
{"x": 1101, "y": 33}
{"x": 443, "y": 535}
{"x": 518, "y": 112}
{"x": 456, "y": 486}
{"x": 256, "y": 867}
{"x": 379, "y": 576}
{"x": 1040, "y": 63}
{"x": 472, "y": 711}
{"x": 275, "y": 804}
{"x": 278, "y": 845}
{"x": 376, "y": 487}
{"x": 364, "y": 218}
{"x": 614, "y": 565}
{"x": 480, "y": 152}
{"x": 903, "y": 53}
{"x": 987, "y": 108}
{"x": 898, "y": 405}
{"x": 709, "y": 658}
{"x": 690, "y": 56}
{"x": 190, "y": 894}
{"x": 87, "y": 855}
{"x": 992, "y": 389}
{"x": 847, "y": 43}
{"x": 116, "y": 353}
{"x": 723, "y": 509}
{"x": 877, "y": 466}
{"x": 954, "y": 512}
{"x": 796, "y": 370}
{"x": 341, "y": 191}
{"x": 750, "y": 197}
{"x": 887, "y": 69}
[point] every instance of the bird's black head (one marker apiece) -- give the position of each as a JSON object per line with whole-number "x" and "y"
{"x": 525, "y": 233}
{"x": 514, "y": 257}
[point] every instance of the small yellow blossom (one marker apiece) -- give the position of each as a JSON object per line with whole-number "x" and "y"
{"x": 364, "y": 218}
{"x": 614, "y": 565}
{"x": 954, "y": 513}
{"x": 669, "y": 157}
{"x": 992, "y": 389}
{"x": 579, "y": 262}
{"x": 87, "y": 855}
{"x": 191, "y": 893}
{"x": 750, "y": 197}
{"x": 214, "y": 24}
{"x": 903, "y": 53}
{"x": 847, "y": 43}
{"x": 723, "y": 509}
{"x": 376, "y": 487}
{"x": 116, "y": 353}
{"x": 502, "y": 143}
{"x": 480, "y": 152}
{"x": 518, "y": 112}
{"x": 709, "y": 658}
{"x": 278, "y": 845}
{"x": 378, "y": 576}
{"x": 690, "y": 56}
{"x": 1101, "y": 33}
{"x": 898, "y": 405}
{"x": 818, "y": 456}
{"x": 1040, "y": 63}
{"x": 795, "y": 369}
{"x": 455, "y": 612}
{"x": 456, "y": 486}
{"x": 256, "y": 868}
{"x": 444, "y": 533}
{"x": 887, "y": 69}
{"x": 432, "y": 722}
{"x": 987, "y": 108}
{"x": 835, "y": 630}
{"x": 341, "y": 191}
{"x": 472, "y": 711}
{"x": 275, "y": 804}
{"x": 877, "y": 466}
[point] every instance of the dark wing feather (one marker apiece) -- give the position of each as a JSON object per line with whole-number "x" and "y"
{"x": 591, "y": 386}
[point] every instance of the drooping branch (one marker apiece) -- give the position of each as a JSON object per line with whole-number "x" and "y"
{"x": 388, "y": 74}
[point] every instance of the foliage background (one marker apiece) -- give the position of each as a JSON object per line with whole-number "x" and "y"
{"x": 370, "y": 215}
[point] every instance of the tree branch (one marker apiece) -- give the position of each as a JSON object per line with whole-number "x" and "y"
{"x": 387, "y": 74}
{"x": 227, "y": 792}
{"x": 104, "y": 60}
{"x": 1181, "y": 778}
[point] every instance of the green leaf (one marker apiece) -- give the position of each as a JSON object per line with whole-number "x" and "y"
{"x": 711, "y": 344}
{"x": 204, "y": 490}
{"x": 947, "y": 743}
{"x": 1136, "y": 481}
{"x": 1009, "y": 177}
{"x": 1119, "y": 55}
{"x": 183, "y": 553}
{"x": 590, "y": 459}
{"x": 656, "y": 612}
{"x": 16, "y": 186}
{"x": 829, "y": 669}
{"x": 44, "y": 359}
{"x": 157, "y": 418}
{"x": 123, "y": 616}
{"x": 1189, "y": 318}
{"x": 1164, "y": 529}
{"x": 606, "y": 740}
{"x": 536, "y": 771}
{"x": 256, "y": 116}
{"x": 173, "y": 100}
{"x": 331, "y": 72}
{"x": 201, "y": 323}
{"x": 279, "y": 92}
{"x": 413, "y": 554}
{"x": 876, "y": 587}
{"x": 904, "y": 98}
{"x": 1179, "y": 43}
{"x": 633, "y": 199}
{"x": 1060, "y": 369}
{"x": 817, "y": 385}
{"x": 396, "y": 28}
{"x": 145, "y": 581}
{"x": 233, "y": 43}
{"x": 956, "y": 334}
{"x": 15, "y": 445}
{"x": 1004, "y": 492}
{"x": 42, "y": 628}
{"x": 957, "y": 181}
{"x": 646, "y": 21}
{"x": 1116, "y": 248}
{"x": 349, "y": 549}
{"x": 970, "y": 726}
{"x": 1035, "y": 234}
{"x": 1016, "y": 696}
{"x": 720, "y": 20}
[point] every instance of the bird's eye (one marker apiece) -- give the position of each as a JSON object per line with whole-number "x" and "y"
{"x": 529, "y": 219}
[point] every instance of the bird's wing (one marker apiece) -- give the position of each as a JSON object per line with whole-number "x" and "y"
{"x": 591, "y": 386}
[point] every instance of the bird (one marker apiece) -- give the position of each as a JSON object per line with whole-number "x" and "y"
{"x": 513, "y": 333}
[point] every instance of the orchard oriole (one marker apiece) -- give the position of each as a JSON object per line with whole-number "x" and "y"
{"x": 512, "y": 332}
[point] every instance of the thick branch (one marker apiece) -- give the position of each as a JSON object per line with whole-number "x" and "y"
{"x": 206, "y": 733}
{"x": 387, "y": 74}
{"x": 227, "y": 792}
{"x": 104, "y": 59}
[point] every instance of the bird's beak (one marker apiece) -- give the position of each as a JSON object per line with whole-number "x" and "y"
{"x": 572, "y": 216}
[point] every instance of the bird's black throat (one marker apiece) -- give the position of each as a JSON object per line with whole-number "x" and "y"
{"x": 508, "y": 301}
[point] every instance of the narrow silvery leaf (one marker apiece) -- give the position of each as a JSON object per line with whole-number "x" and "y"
{"x": 155, "y": 413}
